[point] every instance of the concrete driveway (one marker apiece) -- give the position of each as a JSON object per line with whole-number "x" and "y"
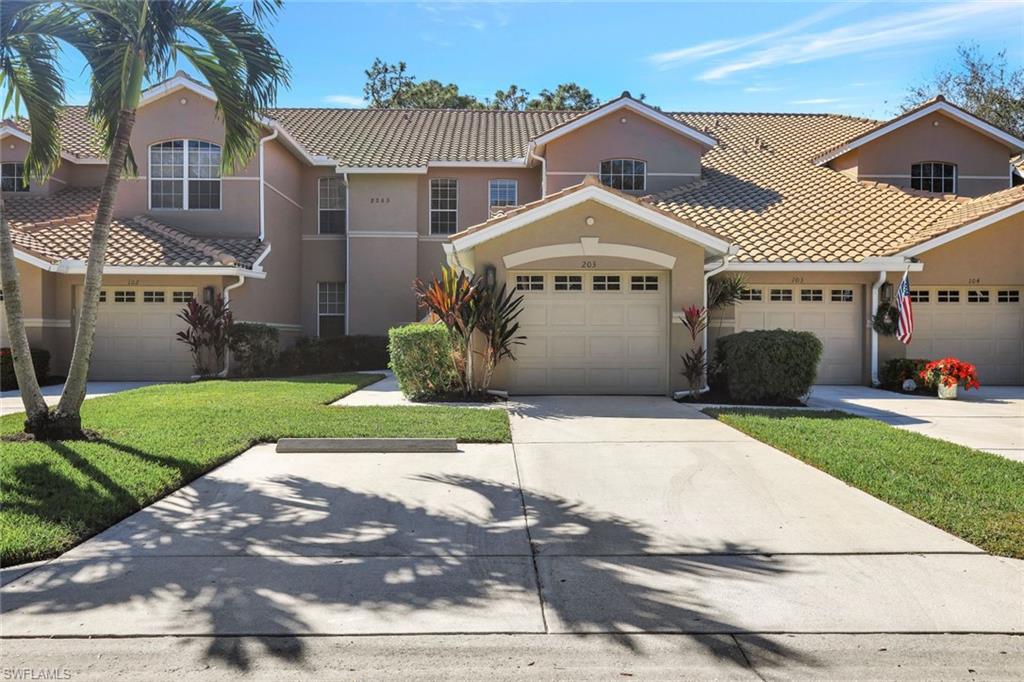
{"x": 611, "y": 519}
{"x": 990, "y": 419}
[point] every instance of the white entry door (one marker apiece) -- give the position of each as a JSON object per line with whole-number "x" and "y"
{"x": 592, "y": 332}
{"x": 135, "y": 335}
{"x": 832, "y": 312}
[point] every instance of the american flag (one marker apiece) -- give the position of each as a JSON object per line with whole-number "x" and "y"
{"x": 905, "y": 323}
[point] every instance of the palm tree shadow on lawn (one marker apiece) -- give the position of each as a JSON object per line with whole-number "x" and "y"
{"x": 312, "y": 543}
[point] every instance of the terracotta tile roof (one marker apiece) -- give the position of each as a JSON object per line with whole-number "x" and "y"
{"x": 59, "y": 226}
{"x": 588, "y": 181}
{"x": 414, "y": 137}
{"x": 78, "y": 136}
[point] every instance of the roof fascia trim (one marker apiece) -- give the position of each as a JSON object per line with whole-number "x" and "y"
{"x": 866, "y": 265}
{"x": 635, "y": 107}
{"x": 962, "y": 231}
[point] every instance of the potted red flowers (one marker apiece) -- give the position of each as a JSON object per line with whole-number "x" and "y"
{"x": 949, "y": 374}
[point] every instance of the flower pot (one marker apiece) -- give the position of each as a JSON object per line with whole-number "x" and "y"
{"x": 947, "y": 392}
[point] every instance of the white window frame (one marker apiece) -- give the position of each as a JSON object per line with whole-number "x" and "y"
{"x": 343, "y": 288}
{"x": 600, "y": 174}
{"x": 751, "y": 294}
{"x": 619, "y": 284}
{"x": 493, "y": 208}
{"x": 18, "y": 186}
{"x": 529, "y": 279}
{"x": 1008, "y": 296}
{"x": 568, "y": 283}
{"x": 431, "y": 210}
{"x": 184, "y": 176}
{"x": 645, "y": 282}
{"x": 931, "y": 178}
{"x": 344, "y": 204}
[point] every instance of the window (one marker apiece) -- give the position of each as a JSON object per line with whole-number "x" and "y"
{"x": 643, "y": 283}
{"x": 124, "y": 297}
{"x": 625, "y": 174}
{"x": 103, "y": 295}
{"x": 811, "y": 295}
{"x": 529, "y": 282}
{"x": 152, "y": 297}
{"x": 933, "y": 177}
{"x": 171, "y": 172}
{"x": 502, "y": 194}
{"x": 842, "y": 295}
{"x": 12, "y": 177}
{"x": 974, "y": 296}
{"x": 607, "y": 283}
{"x": 948, "y": 296}
{"x": 331, "y": 204}
{"x": 330, "y": 302}
{"x": 918, "y": 295}
{"x": 181, "y": 296}
{"x": 1008, "y": 296}
{"x": 444, "y": 205}
{"x": 568, "y": 282}
{"x": 750, "y": 295}
{"x": 781, "y": 295}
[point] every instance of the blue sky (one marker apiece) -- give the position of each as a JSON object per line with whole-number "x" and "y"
{"x": 848, "y": 57}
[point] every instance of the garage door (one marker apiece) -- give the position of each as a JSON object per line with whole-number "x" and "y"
{"x": 833, "y": 313}
{"x": 592, "y": 332}
{"x": 981, "y": 326}
{"x": 135, "y": 335}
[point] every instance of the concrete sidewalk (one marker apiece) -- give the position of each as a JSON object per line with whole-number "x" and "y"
{"x": 990, "y": 419}
{"x": 10, "y": 401}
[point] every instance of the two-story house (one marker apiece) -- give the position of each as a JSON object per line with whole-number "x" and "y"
{"x": 608, "y": 222}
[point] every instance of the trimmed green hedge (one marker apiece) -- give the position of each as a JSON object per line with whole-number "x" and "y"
{"x": 254, "y": 349}
{"x": 40, "y": 362}
{"x": 339, "y": 354}
{"x": 768, "y": 366}
{"x": 421, "y": 358}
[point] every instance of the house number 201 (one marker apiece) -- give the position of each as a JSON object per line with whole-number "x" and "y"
{"x": 588, "y": 264}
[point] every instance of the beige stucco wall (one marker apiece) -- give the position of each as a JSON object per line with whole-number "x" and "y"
{"x": 581, "y": 151}
{"x": 935, "y": 137}
{"x": 611, "y": 227}
{"x": 14, "y": 150}
{"x": 167, "y": 119}
{"x": 473, "y": 192}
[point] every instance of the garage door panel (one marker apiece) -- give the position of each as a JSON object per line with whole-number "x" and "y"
{"x": 639, "y": 378}
{"x": 563, "y": 315}
{"x": 780, "y": 320}
{"x": 647, "y": 314}
{"x": 644, "y": 347}
{"x": 535, "y": 315}
{"x": 607, "y": 378}
{"x": 567, "y": 346}
{"x": 811, "y": 321}
{"x": 607, "y": 347}
{"x": 535, "y": 346}
{"x": 613, "y": 314}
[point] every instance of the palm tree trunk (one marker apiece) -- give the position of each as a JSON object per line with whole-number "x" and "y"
{"x": 31, "y": 397}
{"x": 67, "y": 419}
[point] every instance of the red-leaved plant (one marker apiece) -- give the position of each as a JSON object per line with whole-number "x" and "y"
{"x": 951, "y": 372}
{"x": 695, "y": 319}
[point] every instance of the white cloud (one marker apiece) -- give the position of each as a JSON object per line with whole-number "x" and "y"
{"x": 346, "y": 100}
{"x": 902, "y": 30}
{"x": 761, "y": 88}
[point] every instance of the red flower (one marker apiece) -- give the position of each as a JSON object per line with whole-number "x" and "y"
{"x": 951, "y": 372}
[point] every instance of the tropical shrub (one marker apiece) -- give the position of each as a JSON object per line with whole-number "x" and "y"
{"x": 208, "y": 328}
{"x": 421, "y": 358}
{"x": 496, "y": 322}
{"x": 769, "y": 366}
{"x": 338, "y": 354}
{"x": 254, "y": 349}
{"x": 951, "y": 372}
{"x": 40, "y": 363}
{"x": 695, "y": 319}
{"x": 897, "y": 370}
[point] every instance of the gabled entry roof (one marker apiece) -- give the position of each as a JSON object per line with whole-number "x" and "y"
{"x": 588, "y": 190}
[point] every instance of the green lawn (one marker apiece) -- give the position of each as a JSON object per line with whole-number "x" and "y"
{"x": 975, "y": 495}
{"x": 156, "y": 439}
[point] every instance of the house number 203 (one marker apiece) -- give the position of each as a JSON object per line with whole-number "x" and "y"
{"x": 588, "y": 264}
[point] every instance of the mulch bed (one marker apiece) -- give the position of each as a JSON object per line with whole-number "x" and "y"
{"x": 719, "y": 396}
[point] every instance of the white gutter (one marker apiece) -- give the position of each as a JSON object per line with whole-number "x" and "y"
{"x": 874, "y": 335}
{"x": 227, "y": 302}
{"x": 348, "y": 258}
{"x": 543, "y": 170}
{"x": 263, "y": 182}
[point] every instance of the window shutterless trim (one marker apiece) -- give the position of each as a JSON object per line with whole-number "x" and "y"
{"x": 16, "y": 176}
{"x": 431, "y": 210}
{"x": 490, "y": 197}
{"x": 918, "y": 177}
{"x": 184, "y": 178}
{"x": 609, "y": 177}
{"x": 320, "y": 209}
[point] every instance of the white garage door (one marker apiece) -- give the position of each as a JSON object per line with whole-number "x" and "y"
{"x": 592, "y": 332}
{"x": 135, "y": 335}
{"x": 833, "y": 312}
{"x": 983, "y": 326}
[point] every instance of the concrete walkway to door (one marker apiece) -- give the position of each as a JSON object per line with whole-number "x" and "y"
{"x": 617, "y": 520}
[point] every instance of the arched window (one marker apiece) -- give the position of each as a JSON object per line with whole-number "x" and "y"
{"x": 625, "y": 174}
{"x": 933, "y": 176}
{"x": 184, "y": 175}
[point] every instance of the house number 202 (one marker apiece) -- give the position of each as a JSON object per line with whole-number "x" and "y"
{"x": 588, "y": 264}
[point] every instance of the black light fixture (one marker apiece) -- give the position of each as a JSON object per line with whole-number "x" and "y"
{"x": 490, "y": 276}
{"x": 208, "y": 294}
{"x": 886, "y": 291}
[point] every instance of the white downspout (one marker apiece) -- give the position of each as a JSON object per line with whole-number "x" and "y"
{"x": 348, "y": 258}
{"x": 707, "y": 277}
{"x": 263, "y": 227}
{"x": 227, "y": 301}
{"x": 874, "y": 335}
{"x": 543, "y": 171}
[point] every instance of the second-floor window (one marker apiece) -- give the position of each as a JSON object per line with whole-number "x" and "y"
{"x": 444, "y": 205}
{"x": 185, "y": 175}
{"x": 625, "y": 174}
{"x": 12, "y": 177}
{"x": 502, "y": 195}
{"x": 933, "y": 177}
{"x": 331, "y": 204}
